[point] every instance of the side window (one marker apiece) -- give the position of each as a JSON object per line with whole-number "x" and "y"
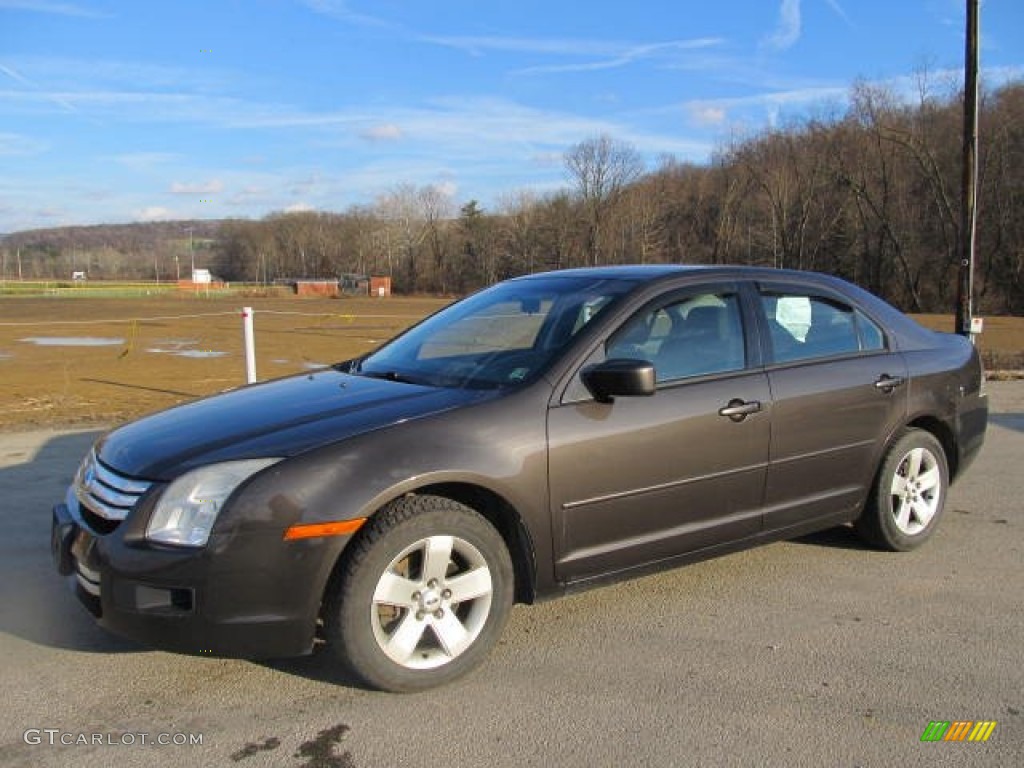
{"x": 803, "y": 327}
{"x": 695, "y": 336}
{"x": 871, "y": 337}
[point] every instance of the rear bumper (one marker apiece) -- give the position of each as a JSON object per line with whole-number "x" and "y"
{"x": 250, "y": 596}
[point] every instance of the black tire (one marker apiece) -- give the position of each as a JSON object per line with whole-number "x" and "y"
{"x": 393, "y": 616}
{"x": 909, "y": 494}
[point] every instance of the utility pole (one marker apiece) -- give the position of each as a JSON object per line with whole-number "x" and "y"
{"x": 192, "y": 254}
{"x": 969, "y": 179}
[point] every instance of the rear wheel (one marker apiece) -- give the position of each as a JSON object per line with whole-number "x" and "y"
{"x": 422, "y": 597}
{"x": 909, "y": 494}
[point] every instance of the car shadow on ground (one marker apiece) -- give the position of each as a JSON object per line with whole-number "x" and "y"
{"x": 840, "y": 537}
{"x": 1014, "y": 421}
{"x": 36, "y": 603}
{"x": 320, "y": 666}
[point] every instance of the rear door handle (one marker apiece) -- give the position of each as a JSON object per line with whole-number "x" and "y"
{"x": 738, "y": 410}
{"x": 888, "y": 383}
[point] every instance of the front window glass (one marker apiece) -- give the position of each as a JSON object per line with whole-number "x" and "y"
{"x": 696, "y": 336}
{"x": 500, "y": 337}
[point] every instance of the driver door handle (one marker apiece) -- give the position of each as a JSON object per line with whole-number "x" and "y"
{"x": 738, "y": 410}
{"x": 888, "y": 383}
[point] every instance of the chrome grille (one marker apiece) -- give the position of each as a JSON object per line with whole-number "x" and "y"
{"x": 106, "y": 493}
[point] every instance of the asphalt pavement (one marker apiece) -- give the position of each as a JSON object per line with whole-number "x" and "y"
{"x": 816, "y": 652}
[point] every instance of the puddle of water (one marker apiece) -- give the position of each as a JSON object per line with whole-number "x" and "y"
{"x": 280, "y": 361}
{"x": 315, "y": 366}
{"x": 199, "y": 353}
{"x": 176, "y": 344}
{"x": 5, "y": 356}
{"x": 72, "y": 341}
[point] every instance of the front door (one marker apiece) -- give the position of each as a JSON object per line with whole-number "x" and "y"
{"x": 645, "y": 479}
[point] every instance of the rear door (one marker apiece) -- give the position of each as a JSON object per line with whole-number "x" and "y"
{"x": 839, "y": 391}
{"x": 645, "y": 479}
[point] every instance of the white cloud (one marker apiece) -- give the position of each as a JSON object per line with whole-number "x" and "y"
{"x": 338, "y": 9}
{"x": 787, "y": 31}
{"x": 197, "y": 188}
{"x": 20, "y": 78}
{"x": 299, "y": 208}
{"x": 250, "y": 195}
{"x": 706, "y": 114}
{"x": 154, "y": 213}
{"x": 770, "y": 104}
{"x": 383, "y": 132}
{"x": 835, "y": 6}
{"x": 447, "y": 188}
{"x": 604, "y": 54}
{"x": 668, "y": 54}
{"x": 15, "y": 75}
{"x": 544, "y": 45}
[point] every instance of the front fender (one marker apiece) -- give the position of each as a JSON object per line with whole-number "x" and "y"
{"x": 498, "y": 445}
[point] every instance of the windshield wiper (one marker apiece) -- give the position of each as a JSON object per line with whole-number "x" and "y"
{"x": 388, "y": 376}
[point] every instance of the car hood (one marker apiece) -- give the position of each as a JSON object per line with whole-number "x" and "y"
{"x": 283, "y": 417}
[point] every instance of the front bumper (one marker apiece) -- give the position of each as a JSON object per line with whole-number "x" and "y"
{"x": 243, "y": 595}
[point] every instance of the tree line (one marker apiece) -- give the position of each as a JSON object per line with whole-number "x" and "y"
{"x": 869, "y": 193}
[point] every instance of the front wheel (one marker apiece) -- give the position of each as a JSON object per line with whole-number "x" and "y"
{"x": 909, "y": 493}
{"x": 422, "y": 597}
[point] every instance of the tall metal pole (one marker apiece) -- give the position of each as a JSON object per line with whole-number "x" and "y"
{"x": 192, "y": 254}
{"x": 969, "y": 180}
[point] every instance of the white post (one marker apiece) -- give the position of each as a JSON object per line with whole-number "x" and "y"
{"x": 250, "y": 346}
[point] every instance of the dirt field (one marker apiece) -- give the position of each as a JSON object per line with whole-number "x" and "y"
{"x": 105, "y": 360}
{"x": 141, "y": 355}
{"x": 1001, "y": 343}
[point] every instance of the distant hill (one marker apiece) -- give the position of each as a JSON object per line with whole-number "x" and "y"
{"x": 124, "y": 251}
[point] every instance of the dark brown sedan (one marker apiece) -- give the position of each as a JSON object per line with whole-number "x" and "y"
{"x": 544, "y": 435}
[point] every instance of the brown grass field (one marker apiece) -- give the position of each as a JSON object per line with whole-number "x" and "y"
{"x": 168, "y": 349}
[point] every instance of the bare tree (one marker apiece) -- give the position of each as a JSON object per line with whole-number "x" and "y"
{"x": 401, "y": 209}
{"x": 600, "y": 169}
{"x": 437, "y": 209}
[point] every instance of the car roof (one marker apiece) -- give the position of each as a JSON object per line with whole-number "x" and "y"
{"x": 633, "y": 272}
{"x": 909, "y": 333}
{"x": 644, "y": 273}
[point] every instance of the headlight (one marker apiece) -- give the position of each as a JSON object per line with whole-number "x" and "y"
{"x": 188, "y": 507}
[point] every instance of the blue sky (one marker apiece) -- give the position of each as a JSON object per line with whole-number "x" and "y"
{"x": 132, "y": 111}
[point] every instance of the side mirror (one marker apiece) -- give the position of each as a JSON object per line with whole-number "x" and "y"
{"x": 619, "y": 377}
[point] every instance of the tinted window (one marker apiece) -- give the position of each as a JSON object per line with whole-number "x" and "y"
{"x": 802, "y": 326}
{"x": 695, "y": 336}
{"x": 871, "y": 336}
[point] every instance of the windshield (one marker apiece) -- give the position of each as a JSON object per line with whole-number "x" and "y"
{"x": 500, "y": 337}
